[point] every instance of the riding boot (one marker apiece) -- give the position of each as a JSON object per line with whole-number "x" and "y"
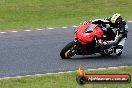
{"x": 119, "y": 47}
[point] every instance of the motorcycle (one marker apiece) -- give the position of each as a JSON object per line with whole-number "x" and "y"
{"x": 87, "y": 42}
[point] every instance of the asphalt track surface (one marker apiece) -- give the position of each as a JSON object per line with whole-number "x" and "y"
{"x": 38, "y": 52}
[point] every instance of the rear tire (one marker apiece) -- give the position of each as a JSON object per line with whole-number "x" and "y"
{"x": 103, "y": 54}
{"x": 66, "y": 52}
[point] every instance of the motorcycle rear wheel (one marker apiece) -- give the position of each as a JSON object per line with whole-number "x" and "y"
{"x": 66, "y": 52}
{"x": 105, "y": 54}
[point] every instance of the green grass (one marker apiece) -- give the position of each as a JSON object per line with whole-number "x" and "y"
{"x": 29, "y": 14}
{"x": 66, "y": 80}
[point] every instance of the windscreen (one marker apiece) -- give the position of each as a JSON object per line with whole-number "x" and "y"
{"x": 90, "y": 28}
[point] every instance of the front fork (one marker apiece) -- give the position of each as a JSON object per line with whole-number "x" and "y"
{"x": 75, "y": 51}
{"x": 80, "y": 48}
{"x": 74, "y": 48}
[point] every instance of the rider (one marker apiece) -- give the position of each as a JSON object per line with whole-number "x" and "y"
{"x": 115, "y": 29}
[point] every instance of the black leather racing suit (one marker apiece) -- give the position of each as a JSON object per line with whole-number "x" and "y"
{"x": 116, "y": 32}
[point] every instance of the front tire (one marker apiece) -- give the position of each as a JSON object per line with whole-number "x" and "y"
{"x": 66, "y": 52}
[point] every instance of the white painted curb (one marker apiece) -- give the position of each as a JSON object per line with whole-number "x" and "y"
{"x": 129, "y": 21}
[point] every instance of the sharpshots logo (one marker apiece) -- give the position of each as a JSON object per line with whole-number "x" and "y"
{"x": 83, "y": 78}
{"x": 101, "y": 78}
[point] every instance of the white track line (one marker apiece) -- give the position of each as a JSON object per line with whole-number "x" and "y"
{"x": 14, "y": 31}
{"x": 50, "y": 28}
{"x": 39, "y": 29}
{"x": 3, "y": 32}
{"x": 70, "y": 71}
{"x": 91, "y": 69}
{"x": 129, "y": 21}
{"x": 49, "y": 74}
{"x": 64, "y": 27}
{"x": 60, "y": 72}
{"x": 27, "y": 30}
{"x": 102, "y": 68}
{"x": 112, "y": 67}
{"x": 74, "y": 26}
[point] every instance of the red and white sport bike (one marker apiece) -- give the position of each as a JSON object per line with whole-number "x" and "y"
{"x": 87, "y": 42}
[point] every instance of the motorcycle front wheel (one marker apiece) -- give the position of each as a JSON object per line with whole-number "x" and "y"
{"x": 67, "y": 51}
